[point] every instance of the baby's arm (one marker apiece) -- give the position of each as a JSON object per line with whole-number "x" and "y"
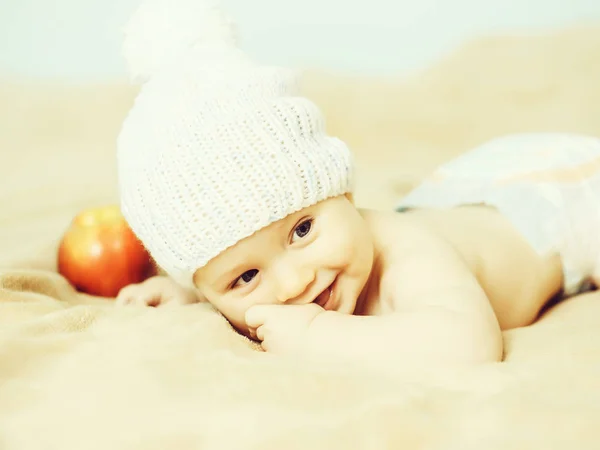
{"x": 442, "y": 316}
{"x": 156, "y": 291}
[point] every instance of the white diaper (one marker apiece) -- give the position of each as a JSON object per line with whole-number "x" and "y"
{"x": 547, "y": 185}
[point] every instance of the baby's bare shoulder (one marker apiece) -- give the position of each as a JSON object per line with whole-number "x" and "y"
{"x": 409, "y": 242}
{"x": 418, "y": 267}
{"x": 398, "y": 234}
{"x": 475, "y": 233}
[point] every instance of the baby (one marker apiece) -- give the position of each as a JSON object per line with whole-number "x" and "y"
{"x": 230, "y": 180}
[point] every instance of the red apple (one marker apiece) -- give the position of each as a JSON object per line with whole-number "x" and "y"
{"x": 99, "y": 254}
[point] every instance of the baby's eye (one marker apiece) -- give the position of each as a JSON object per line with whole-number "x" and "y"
{"x": 245, "y": 278}
{"x": 302, "y": 229}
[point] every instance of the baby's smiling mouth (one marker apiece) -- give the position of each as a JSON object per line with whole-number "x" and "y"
{"x": 323, "y": 299}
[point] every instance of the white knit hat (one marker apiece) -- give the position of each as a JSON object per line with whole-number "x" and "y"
{"x": 216, "y": 146}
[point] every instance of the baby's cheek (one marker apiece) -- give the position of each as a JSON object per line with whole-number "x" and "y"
{"x": 230, "y": 311}
{"x": 344, "y": 247}
{"x": 236, "y": 318}
{"x": 356, "y": 255}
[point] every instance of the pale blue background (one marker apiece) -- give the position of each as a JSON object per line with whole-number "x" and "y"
{"x": 79, "y": 40}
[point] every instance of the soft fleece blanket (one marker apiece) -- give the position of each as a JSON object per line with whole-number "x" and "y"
{"x": 78, "y": 373}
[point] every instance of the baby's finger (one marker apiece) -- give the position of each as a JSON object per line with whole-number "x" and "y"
{"x": 124, "y": 296}
{"x": 147, "y": 299}
{"x": 265, "y": 346}
{"x": 257, "y": 315}
{"x": 259, "y": 333}
{"x": 123, "y": 301}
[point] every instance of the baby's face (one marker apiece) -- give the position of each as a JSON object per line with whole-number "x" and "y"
{"x": 323, "y": 254}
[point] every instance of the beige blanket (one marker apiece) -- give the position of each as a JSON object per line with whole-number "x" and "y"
{"x": 77, "y": 373}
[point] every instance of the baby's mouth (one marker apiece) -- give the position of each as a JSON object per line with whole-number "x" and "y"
{"x": 323, "y": 298}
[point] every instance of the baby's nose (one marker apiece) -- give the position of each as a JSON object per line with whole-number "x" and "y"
{"x": 291, "y": 284}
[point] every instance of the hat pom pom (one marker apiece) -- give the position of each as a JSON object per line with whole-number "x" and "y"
{"x": 161, "y": 30}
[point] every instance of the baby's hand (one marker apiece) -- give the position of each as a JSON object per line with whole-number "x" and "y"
{"x": 155, "y": 291}
{"x": 282, "y": 329}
